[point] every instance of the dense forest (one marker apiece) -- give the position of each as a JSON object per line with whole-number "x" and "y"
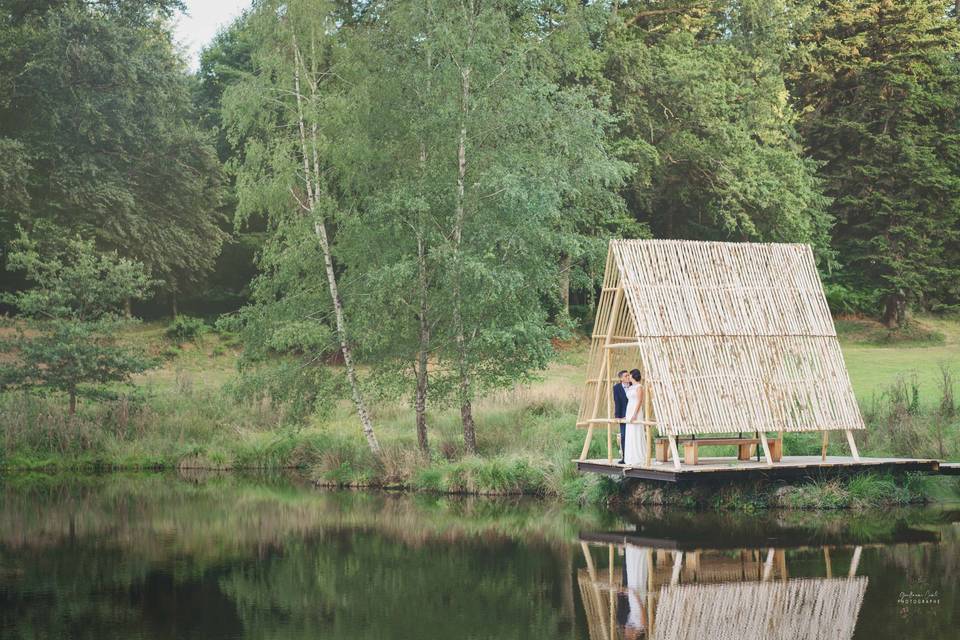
{"x": 423, "y": 190}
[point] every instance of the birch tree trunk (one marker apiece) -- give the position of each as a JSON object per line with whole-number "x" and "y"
{"x": 465, "y": 387}
{"x": 423, "y": 333}
{"x": 312, "y": 184}
{"x": 423, "y": 348}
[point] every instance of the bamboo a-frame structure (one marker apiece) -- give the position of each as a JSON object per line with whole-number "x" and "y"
{"x": 697, "y": 594}
{"x": 730, "y": 337}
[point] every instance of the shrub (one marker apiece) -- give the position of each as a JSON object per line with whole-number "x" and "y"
{"x": 185, "y": 329}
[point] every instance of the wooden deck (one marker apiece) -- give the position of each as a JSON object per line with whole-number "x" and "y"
{"x": 727, "y": 469}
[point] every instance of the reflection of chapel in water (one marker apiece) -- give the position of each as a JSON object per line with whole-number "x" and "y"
{"x": 648, "y": 588}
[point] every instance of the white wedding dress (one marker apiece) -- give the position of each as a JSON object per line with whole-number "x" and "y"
{"x": 636, "y": 435}
{"x": 636, "y": 568}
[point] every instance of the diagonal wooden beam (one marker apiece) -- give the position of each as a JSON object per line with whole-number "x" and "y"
{"x": 766, "y": 448}
{"x": 604, "y": 374}
{"x": 853, "y": 446}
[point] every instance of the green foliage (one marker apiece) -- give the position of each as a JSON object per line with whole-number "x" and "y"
{"x": 185, "y": 329}
{"x": 706, "y": 118}
{"x": 843, "y": 299}
{"x": 97, "y": 137}
{"x": 899, "y": 422}
{"x": 861, "y": 491}
{"x": 419, "y": 270}
{"x": 66, "y": 340}
{"x": 878, "y": 88}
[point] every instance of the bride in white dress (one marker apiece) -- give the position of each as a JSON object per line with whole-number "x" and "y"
{"x": 636, "y": 433}
{"x": 636, "y": 569}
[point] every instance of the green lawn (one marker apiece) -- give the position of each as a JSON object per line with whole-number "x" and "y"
{"x": 873, "y": 368}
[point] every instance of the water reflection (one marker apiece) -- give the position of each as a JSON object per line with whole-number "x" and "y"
{"x": 664, "y": 592}
{"x": 789, "y": 576}
{"x": 160, "y": 556}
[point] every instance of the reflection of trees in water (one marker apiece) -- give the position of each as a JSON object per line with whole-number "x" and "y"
{"x": 114, "y": 556}
{"x": 157, "y": 515}
{"x": 370, "y": 586}
{"x": 108, "y": 557}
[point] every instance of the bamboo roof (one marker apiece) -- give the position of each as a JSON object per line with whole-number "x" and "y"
{"x": 805, "y": 609}
{"x": 731, "y": 337}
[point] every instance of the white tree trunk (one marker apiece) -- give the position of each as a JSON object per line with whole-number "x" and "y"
{"x": 465, "y": 387}
{"x": 313, "y": 186}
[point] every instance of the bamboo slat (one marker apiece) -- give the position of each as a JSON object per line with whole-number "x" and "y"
{"x": 730, "y": 337}
{"x": 801, "y": 609}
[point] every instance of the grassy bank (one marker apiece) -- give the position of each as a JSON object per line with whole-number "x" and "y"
{"x": 182, "y": 416}
{"x": 862, "y": 491}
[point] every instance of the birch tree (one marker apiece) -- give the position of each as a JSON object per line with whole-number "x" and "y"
{"x": 463, "y": 151}
{"x": 278, "y": 113}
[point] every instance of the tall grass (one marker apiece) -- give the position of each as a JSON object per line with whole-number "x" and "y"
{"x": 901, "y": 423}
{"x": 180, "y": 416}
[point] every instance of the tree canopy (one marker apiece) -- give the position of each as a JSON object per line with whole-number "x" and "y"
{"x": 100, "y": 137}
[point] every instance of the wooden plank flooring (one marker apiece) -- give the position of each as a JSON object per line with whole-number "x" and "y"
{"x": 723, "y": 469}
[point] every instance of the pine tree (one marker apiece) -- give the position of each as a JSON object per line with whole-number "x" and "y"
{"x": 879, "y": 89}
{"x": 706, "y": 120}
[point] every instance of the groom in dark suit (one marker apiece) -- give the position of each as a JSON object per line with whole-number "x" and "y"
{"x": 620, "y": 408}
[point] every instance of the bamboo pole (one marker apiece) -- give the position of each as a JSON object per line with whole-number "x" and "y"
{"x": 766, "y": 447}
{"x": 614, "y": 312}
{"x": 855, "y": 562}
{"x": 621, "y": 345}
{"x": 746, "y": 324}
{"x": 674, "y": 451}
{"x": 609, "y": 408}
{"x": 648, "y": 423}
{"x": 650, "y": 585}
{"x": 853, "y": 446}
{"x": 677, "y": 567}
{"x": 768, "y": 564}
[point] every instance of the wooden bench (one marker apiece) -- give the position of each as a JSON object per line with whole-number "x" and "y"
{"x": 691, "y": 453}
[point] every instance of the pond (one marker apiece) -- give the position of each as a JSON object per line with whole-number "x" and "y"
{"x": 173, "y": 556}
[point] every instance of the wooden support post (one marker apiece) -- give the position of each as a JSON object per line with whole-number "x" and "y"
{"x": 677, "y": 565}
{"x": 781, "y": 557}
{"x": 648, "y": 420}
{"x": 674, "y": 452}
{"x": 609, "y": 386}
{"x": 611, "y": 592}
{"x": 768, "y": 565}
{"x": 823, "y": 446}
{"x": 613, "y": 611}
{"x": 586, "y": 442}
{"x": 595, "y": 588}
{"x": 610, "y": 562}
{"x": 650, "y": 604}
{"x": 826, "y": 561}
{"x": 766, "y": 447}
{"x": 604, "y": 369}
{"x": 854, "y": 562}
{"x": 588, "y": 559}
{"x": 853, "y": 446}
